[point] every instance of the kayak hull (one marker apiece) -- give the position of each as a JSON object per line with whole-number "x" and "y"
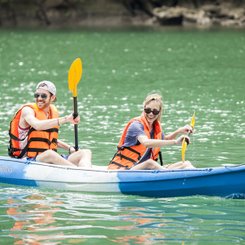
{"x": 227, "y": 181}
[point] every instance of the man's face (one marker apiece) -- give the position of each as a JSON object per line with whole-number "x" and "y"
{"x": 42, "y": 98}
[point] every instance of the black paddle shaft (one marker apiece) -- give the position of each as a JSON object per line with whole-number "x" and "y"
{"x": 75, "y": 114}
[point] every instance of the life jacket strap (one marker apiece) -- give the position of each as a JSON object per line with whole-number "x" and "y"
{"x": 51, "y": 130}
{"x": 123, "y": 156}
{"x": 120, "y": 166}
{"x": 15, "y": 138}
{"x": 38, "y": 150}
{"x": 129, "y": 148}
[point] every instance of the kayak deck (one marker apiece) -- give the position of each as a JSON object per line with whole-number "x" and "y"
{"x": 218, "y": 181}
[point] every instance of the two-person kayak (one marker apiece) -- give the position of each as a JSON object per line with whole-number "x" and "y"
{"x": 224, "y": 181}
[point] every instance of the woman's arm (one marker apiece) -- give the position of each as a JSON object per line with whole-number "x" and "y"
{"x": 144, "y": 140}
{"x": 183, "y": 130}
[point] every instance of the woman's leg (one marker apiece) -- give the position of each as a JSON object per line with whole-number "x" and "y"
{"x": 148, "y": 164}
{"x": 180, "y": 165}
{"x": 153, "y": 165}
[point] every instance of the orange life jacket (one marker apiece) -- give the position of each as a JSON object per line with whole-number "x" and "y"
{"x": 38, "y": 140}
{"x": 127, "y": 157}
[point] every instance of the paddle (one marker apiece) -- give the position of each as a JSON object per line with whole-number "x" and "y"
{"x": 74, "y": 76}
{"x": 184, "y": 143}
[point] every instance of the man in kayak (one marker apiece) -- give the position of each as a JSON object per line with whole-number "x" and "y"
{"x": 142, "y": 138}
{"x": 34, "y": 131}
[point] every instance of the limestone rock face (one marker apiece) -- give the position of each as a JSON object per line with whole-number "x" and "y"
{"x": 223, "y": 15}
{"x": 77, "y": 13}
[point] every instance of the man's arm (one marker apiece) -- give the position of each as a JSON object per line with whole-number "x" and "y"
{"x": 65, "y": 146}
{"x": 28, "y": 116}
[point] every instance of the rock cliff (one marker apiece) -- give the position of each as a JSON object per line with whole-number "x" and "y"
{"x": 100, "y": 13}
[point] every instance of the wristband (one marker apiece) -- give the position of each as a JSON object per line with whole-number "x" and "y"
{"x": 70, "y": 149}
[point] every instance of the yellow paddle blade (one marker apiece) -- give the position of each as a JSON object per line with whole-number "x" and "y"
{"x": 193, "y": 120}
{"x": 184, "y": 144}
{"x": 183, "y": 150}
{"x": 74, "y": 75}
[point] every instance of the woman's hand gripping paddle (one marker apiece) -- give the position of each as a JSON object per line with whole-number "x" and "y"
{"x": 74, "y": 77}
{"x": 184, "y": 143}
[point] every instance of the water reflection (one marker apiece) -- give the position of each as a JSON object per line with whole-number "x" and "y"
{"x": 34, "y": 217}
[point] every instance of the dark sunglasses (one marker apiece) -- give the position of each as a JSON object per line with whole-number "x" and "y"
{"x": 43, "y": 96}
{"x": 149, "y": 110}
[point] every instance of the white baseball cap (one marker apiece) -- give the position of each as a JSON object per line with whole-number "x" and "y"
{"x": 47, "y": 85}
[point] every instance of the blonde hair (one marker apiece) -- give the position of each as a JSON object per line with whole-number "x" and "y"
{"x": 154, "y": 97}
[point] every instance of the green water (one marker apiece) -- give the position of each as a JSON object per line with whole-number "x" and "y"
{"x": 201, "y": 71}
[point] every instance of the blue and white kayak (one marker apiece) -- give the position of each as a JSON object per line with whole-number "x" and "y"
{"x": 226, "y": 181}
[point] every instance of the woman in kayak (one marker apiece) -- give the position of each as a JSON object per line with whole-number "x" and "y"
{"x": 34, "y": 131}
{"x": 142, "y": 138}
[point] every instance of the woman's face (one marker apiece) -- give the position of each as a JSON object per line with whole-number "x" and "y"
{"x": 152, "y": 110}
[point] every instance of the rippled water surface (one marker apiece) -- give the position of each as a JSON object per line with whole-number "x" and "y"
{"x": 201, "y": 71}
{"x": 68, "y": 218}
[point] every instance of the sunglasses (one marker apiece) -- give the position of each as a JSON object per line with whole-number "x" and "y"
{"x": 43, "y": 96}
{"x": 149, "y": 110}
